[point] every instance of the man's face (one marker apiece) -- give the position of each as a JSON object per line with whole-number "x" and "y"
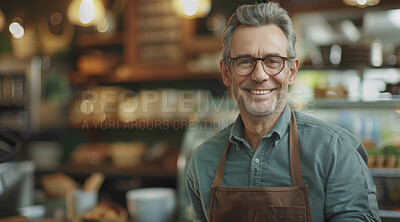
{"x": 259, "y": 94}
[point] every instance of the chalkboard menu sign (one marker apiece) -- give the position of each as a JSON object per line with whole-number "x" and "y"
{"x": 159, "y": 32}
{"x": 155, "y": 33}
{"x": 158, "y": 44}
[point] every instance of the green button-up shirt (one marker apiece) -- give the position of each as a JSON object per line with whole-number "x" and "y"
{"x": 333, "y": 164}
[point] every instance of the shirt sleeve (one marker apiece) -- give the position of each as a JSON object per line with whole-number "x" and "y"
{"x": 350, "y": 190}
{"x": 192, "y": 186}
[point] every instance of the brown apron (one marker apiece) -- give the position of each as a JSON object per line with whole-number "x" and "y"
{"x": 262, "y": 204}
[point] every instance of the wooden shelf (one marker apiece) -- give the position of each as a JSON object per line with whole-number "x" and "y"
{"x": 144, "y": 170}
{"x": 385, "y": 172}
{"x": 92, "y": 40}
{"x": 389, "y": 214}
{"x": 141, "y": 67}
{"x": 204, "y": 44}
{"x": 143, "y": 75}
{"x": 304, "y": 6}
{"x": 12, "y": 107}
{"x": 344, "y": 103}
{"x": 340, "y": 68}
{"x": 164, "y": 74}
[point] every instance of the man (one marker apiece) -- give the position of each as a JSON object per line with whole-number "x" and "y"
{"x": 273, "y": 164}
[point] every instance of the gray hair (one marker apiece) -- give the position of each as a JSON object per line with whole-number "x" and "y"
{"x": 257, "y": 15}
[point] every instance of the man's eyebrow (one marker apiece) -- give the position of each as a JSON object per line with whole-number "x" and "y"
{"x": 248, "y": 55}
{"x": 273, "y": 54}
{"x": 242, "y": 56}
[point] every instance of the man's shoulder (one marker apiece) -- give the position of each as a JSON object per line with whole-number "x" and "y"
{"x": 307, "y": 121}
{"x": 323, "y": 129}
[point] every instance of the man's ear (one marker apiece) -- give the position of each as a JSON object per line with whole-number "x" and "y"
{"x": 293, "y": 71}
{"x": 226, "y": 74}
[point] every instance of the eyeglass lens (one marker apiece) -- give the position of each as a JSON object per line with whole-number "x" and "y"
{"x": 272, "y": 65}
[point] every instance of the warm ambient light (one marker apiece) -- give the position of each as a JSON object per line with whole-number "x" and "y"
{"x": 103, "y": 26}
{"x": 192, "y": 8}
{"x": 106, "y": 24}
{"x": 2, "y": 20}
{"x": 361, "y": 3}
{"x": 86, "y": 12}
{"x": 16, "y": 30}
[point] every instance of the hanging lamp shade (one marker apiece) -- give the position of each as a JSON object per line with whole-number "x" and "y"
{"x": 361, "y": 3}
{"x": 85, "y": 12}
{"x": 192, "y": 8}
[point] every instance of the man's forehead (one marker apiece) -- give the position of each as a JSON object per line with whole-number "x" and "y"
{"x": 266, "y": 40}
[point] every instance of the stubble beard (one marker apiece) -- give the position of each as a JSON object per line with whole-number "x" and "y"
{"x": 256, "y": 111}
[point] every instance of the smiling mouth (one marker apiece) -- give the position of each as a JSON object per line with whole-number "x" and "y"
{"x": 259, "y": 92}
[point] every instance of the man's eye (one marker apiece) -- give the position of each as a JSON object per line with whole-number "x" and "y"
{"x": 272, "y": 61}
{"x": 244, "y": 62}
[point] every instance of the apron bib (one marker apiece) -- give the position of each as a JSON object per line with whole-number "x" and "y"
{"x": 262, "y": 204}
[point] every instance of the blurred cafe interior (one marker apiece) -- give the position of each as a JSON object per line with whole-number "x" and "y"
{"x": 103, "y": 101}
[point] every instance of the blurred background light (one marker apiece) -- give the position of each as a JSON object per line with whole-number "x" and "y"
{"x": 56, "y": 18}
{"x": 216, "y": 23}
{"x": 361, "y": 3}
{"x": 335, "y": 55}
{"x": 376, "y": 53}
{"x": 2, "y": 20}
{"x": 394, "y": 17}
{"x": 16, "y": 30}
{"x": 86, "y": 12}
{"x": 350, "y": 30}
{"x": 103, "y": 25}
{"x": 192, "y": 8}
{"x": 106, "y": 24}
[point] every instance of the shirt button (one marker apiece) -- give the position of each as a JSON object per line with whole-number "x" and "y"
{"x": 257, "y": 160}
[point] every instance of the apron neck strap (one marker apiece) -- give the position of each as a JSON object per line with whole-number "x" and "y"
{"x": 219, "y": 174}
{"x": 294, "y": 152}
{"x": 294, "y": 156}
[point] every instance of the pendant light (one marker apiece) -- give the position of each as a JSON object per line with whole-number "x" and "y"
{"x": 86, "y": 12}
{"x": 16, "y": 28}
{"x": 361, "y": 3}
{"x": 192, "y": 8}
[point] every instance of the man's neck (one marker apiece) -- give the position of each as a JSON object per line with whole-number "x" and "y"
{"x": 255, "y": 128}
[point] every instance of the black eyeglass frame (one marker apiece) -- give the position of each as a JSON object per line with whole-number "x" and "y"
{"x": 232, "y": 60}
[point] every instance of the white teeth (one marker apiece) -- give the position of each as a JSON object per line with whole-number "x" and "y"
{"x": 259, "y": 92}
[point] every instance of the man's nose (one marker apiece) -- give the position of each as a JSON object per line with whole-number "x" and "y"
{"x": 259, "y": 73}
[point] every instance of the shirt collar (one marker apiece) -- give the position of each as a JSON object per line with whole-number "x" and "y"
{"x": 236, "y": 132}
{"x": 281, "y": 127}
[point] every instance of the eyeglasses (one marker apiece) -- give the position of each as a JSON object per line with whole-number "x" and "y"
{"x": 245, "y": 65}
